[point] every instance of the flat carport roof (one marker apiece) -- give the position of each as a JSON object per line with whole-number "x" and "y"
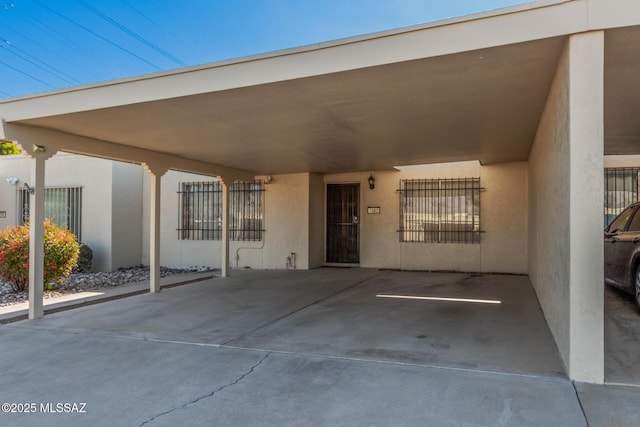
{"x": 463, "y": 89}
{"x": 305, "y": 347}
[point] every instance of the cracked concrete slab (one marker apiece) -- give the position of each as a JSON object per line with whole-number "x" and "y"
{"x": 123, "y": 381}
{"x": 207, "y": 395}
{"x": 126, "y": 381}
{"x": 298, "y": 390}
{"x": 158, "y": 358}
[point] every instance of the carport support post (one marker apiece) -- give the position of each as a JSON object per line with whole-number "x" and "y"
{"x": 586, "y": 180}
{"x": 154, "y": 234}
{"x": 155, "y": 171}
{"x": 224, "y": 265}
{"x": 36, "y": 237}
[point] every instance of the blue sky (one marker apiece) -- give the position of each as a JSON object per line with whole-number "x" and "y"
{"x": 53, "y": 44}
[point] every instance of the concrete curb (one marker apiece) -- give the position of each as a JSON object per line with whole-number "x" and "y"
{"x": 125, "y": 291}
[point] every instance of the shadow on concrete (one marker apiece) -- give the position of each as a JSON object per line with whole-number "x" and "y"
{"x": 336, "y": 312}
{"x": 621, "y": 338}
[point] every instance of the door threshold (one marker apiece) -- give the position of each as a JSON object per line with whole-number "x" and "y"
{"x": 341, "y": 264}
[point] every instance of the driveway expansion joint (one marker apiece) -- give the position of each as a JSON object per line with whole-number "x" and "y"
{"x": 298, "y": 310}
{"x": 584, "y": 414}
{"x": 213, "y": 393}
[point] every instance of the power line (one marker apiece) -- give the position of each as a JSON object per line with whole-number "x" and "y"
{"x": 60, "y": 74}
{"x": 132, "y": 33}
{"x": 27, "y": 74}
{"x": 60, "y": 37}
{"x": 126, "y": 3}
{"x": 97, "y": 35}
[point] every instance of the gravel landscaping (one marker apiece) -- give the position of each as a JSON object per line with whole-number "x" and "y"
{"x": 79, "y": 282}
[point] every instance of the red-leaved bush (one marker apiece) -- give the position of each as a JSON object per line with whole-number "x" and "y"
{"x": 60, "y": 254}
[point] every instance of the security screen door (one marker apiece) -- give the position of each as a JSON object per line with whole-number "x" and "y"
{"x": 343, "y": 223}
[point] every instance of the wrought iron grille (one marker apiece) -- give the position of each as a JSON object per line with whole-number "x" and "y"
{"x": 200, "y": 211}
{"x": 246, "y": 216}
{"x": 62, "y": 205}
{"x": 620, "y": 190}
{"x": 440, "y": 210}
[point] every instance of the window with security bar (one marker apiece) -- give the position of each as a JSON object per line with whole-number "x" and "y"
{"x": 440, "y": 210}
{"x": 620, "y": 190}
{"x": 200, "y": 211}
{"x": 62, "y": 205}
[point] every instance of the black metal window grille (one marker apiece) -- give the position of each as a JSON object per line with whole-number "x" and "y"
{"x": 200, "y": 211}
{"x": 246, "y": 214}
{"x": 440, "y": 210}
{"x": 620, "y": 190}
{"x": 62, "y": 205}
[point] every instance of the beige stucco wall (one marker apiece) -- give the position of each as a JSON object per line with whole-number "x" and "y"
{"x": 287, "y": 206}
{"x": 503, "y": 246}
{"x": 625, "y": 161}
{"x": 287, "y": 221}
{"x": 126, "y": 232}
{"x": 112, "y": 248}
{"x": 174, "y": 252}
{"x": 565, "y": 216}
{"x": 11, "y": 166}
{"x": 116, "y": 217}
{"x": 549, "y": 210}
{"x": 504, "y": 218}
{"x": 316, "y": 220}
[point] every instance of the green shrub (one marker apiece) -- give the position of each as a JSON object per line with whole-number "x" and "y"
{"x": 84, "y": 260}
{"x": 7, "y": 147}
{"x": 61, "y": 252}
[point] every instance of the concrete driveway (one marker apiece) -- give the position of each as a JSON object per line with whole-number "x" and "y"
{"x": 305, "y": 348}
{"x": 621, "y": 338}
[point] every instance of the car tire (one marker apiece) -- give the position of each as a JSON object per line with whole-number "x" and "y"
{"x": 636, "y": 287}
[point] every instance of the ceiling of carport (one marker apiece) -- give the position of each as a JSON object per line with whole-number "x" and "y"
{"x": 479, "y": 105}
{"x": 622, "y": 91}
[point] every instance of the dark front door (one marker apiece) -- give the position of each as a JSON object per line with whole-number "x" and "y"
{"x": 343, "y": 219}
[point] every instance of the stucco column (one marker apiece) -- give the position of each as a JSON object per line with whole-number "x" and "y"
{"x": 586, "y": 150}
{"x": 224, "y": 265}
{"x": 155, "y": 171}
{"x": 36, "y": 238}
{"x": 154, "y": 234}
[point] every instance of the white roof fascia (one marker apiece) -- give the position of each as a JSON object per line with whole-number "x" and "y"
{"x": 531, "y": 21}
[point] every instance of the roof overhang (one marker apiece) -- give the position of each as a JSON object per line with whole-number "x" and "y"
{"x": 465, "y": 89}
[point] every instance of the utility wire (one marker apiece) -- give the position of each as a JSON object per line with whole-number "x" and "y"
{"x": 126, "y": 3}
{"x": 132, "y": 33}
{"x": 61, "y": 75}
{"x": 97, "y": 35}
{"x": 27, "y": 74}
{"x": 60, "y": 37}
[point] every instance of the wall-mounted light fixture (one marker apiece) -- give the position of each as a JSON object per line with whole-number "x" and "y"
{"x": 372, "y": 182}
{"x": 12, "y": 180}
{"x": 39, "y": 148}
{"x": 30, "y": 189}
{"x": 268, "y": 179}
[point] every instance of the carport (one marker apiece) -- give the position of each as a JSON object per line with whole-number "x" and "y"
{"x": 523, "y": 84}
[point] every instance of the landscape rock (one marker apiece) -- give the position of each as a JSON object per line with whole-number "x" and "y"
{"x": 79, "y": 282}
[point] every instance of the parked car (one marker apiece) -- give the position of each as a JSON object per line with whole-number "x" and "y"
{"x": 622, "y": 252}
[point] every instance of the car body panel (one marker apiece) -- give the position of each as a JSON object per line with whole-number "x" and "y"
{"x": 622, "y": 248}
